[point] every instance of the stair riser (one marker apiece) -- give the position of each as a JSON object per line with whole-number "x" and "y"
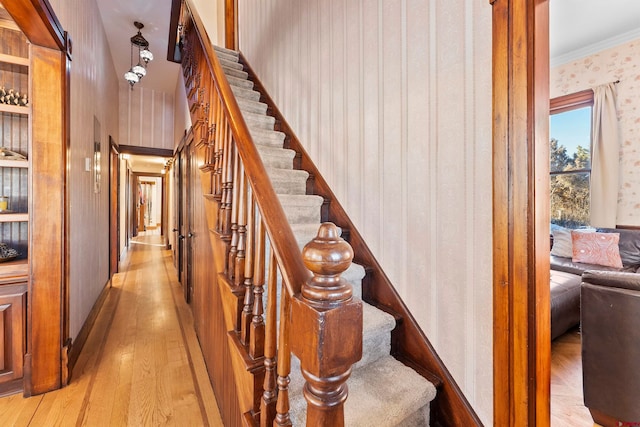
{"x": 265, "y": 124}
{"x": 270, "y": 139}
{"x": 288, "y": 187}
{"x": 231, "y": 64}
{"x": 252, "y": 107}
{"x": 245, "y": 84}
{"x": 225, "y": 51}
{"x": 276, "y": 161}
{"x": 235, "y": 73}
{"x": 226, "y": 57}
{"x": 301, "y": 214}
{"x": 251, "y": 95}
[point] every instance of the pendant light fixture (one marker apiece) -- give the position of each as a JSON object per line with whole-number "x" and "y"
{"x": 141, "y": 58}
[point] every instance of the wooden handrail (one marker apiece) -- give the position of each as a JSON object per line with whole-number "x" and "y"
{"x": 282, "y": 237}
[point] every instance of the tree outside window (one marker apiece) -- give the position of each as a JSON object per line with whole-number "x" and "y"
{"x": 570, "y": 159}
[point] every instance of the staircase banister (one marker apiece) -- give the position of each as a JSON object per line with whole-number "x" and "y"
{"x": 293, "y": 270}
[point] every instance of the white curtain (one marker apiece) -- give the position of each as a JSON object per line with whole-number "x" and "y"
{"x": 605, "y": 157}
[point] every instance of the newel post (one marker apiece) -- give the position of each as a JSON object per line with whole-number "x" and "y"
{"x": 328, "y": 322}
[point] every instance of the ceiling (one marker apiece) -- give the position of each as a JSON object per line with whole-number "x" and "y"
{"x": 582, "y": 27}
{"x": 146, "y": 164}
{"x": 118, "y": 17}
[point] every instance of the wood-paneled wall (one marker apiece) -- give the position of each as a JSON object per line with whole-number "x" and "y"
{"x": 393, "y": 102}
{"x": 94, "y": 94}
{"x": 146, "y": 117}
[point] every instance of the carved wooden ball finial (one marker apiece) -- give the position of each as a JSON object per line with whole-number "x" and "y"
{"x": 327, "y": 256}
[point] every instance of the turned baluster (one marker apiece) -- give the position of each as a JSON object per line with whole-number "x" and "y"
{"x": 233, "y": 248}
{"x": 241, "y": 201}
{"x": 245, "y": 321}
{"x": 224, "y": 155}
{"x": 256, "y": 349}
{"x": 328, "y": 323}
{"x": 218, "y": 150}
{"x": 269, "y": 394}
{"x": 227, "y": 184}
{"x": 284, "y": 362}
{"x": 229, "y": 148}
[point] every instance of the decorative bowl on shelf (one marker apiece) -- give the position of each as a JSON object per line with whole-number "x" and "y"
{"x": 7, "y": 253}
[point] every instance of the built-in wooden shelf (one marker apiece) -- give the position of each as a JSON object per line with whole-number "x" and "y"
{"x": 14, "y": 217}
{"x": 15, "y": 109}
{"x": 16, "y": 60}
{"x": 14, "y": 271}
{"x": 13, "y": 163}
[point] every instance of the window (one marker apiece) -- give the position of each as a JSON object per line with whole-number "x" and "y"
{"x": 570, "y": 158}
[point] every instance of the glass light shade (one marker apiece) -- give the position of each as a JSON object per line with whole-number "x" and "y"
{"x": 146, "y": 55}
{"x": 131, "y": 77}
{"x": 139, "y": 70}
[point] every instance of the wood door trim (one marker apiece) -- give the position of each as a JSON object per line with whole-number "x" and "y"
{"x": 39, "y": 23}
{"x": 521, "y": 213}
{"x": 114, "y": 197}
{"x": 231, "y": 24}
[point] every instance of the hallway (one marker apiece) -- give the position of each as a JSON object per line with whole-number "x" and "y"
{"x": 141, "y": 365}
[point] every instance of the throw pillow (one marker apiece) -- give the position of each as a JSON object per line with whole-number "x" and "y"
{"x": 562, "y": 245}
{"x": 629, "y": 245}
{"x": 596, "y": 248}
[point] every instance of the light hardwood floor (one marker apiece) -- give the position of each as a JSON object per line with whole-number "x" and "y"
{"x": 141, "y": 365}
{"x": 567, "y": 405}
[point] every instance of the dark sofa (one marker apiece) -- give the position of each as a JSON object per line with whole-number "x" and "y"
{"x": 566, "y": 277}
{"x": 611, "y": 347}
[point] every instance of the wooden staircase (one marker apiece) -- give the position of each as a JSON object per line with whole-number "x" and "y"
{"x": 264, "y": 200}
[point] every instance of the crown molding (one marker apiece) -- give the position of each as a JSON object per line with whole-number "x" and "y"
{"x": 595, "y": 48}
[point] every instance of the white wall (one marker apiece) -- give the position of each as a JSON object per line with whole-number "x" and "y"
{"x": 94, "y": 93}
{"x": 146, "y": 117}
{"x": 393, "y": 102}
{"x": 212, "y": 15}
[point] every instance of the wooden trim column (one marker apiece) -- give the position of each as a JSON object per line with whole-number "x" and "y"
{"x": 521, "y": 212}
{"x": 46, "y": 227}
{"x": 47, "y": 307}
{"x": 231, "y": 24}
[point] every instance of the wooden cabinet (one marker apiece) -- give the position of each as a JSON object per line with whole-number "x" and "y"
{"x": 14, "y": 218}
{"x": 12, "y": 336}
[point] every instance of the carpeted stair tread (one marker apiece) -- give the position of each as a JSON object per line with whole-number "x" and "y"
{"x": 224, "y": 50}
{"x": 288, "y": 181}
{"x": 272, "y": 138}
{"x": 249, "y": 94}
{"x": 235, "y": 72}
{"x": 243, "y": 83}
{"x": 227, "y": 57}
{"x": 246, "y": 105}
{"x": 231, "y": 64}
{"x": 376, "y": 334}
{"x": 259, "y": 121}
{"x": 301, "y": 208}
{"x": 279, "y": 158}
{"x": 384, "y": 394}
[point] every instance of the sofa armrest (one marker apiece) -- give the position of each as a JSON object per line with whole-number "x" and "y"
{"x": 609, "y": 307}
{"x": 614, "y": 279}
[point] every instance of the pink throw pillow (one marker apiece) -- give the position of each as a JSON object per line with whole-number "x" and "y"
{"x": 596, "y": 248}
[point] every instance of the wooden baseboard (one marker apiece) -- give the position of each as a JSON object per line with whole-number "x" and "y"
{"x": 11, "y": 387}
{"x": 81, "y": 339}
